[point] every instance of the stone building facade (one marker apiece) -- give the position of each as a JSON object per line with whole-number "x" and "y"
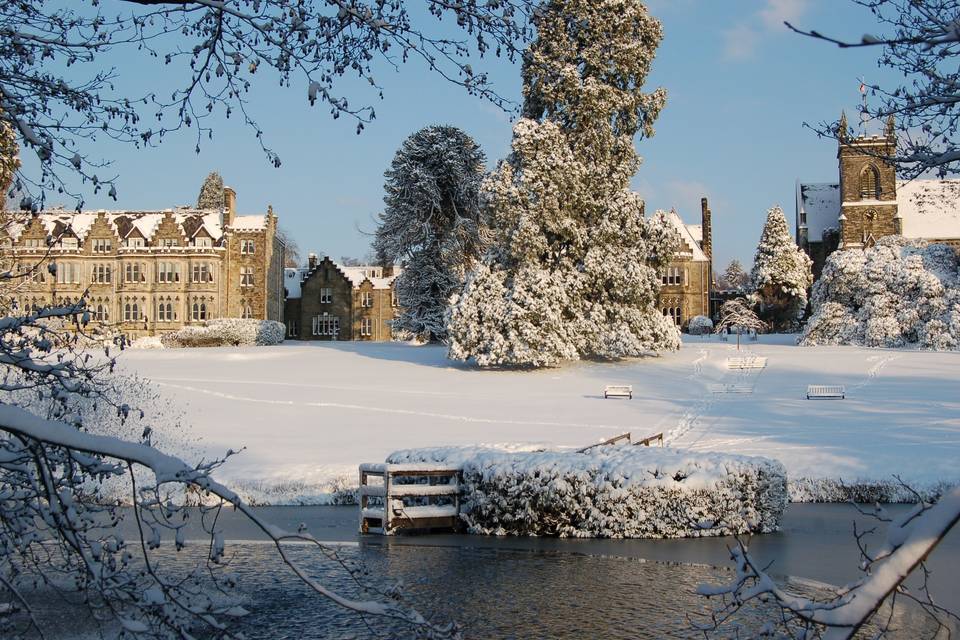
{"x": 150, "y": 272}
{"x": 869, "y": 202}
{"x": 686, "y": 281}
{"x": 329, "y": 301}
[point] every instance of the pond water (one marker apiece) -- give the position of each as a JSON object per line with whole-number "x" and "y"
{"x": 514, "y": 588}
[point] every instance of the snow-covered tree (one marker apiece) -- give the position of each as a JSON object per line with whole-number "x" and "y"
{"x": 211, "y": 192}
{"x": 291, "y": 248}
{"x": 737, "y": 315}
{"x": 895, "y": 293}
{"x": 781, "y": 273}
{"x": 919, "y": 42}
{"x": 734, "y": 277}
{"x": 903, "y": 550}
{"x": 574, "y": 270}
{"x": 62, "y": 94}
{"x": 432, "y": 224}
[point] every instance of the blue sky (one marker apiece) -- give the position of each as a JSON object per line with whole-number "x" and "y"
{"x": 740, "y": 87}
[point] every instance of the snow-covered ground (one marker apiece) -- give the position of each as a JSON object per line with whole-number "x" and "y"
{"x": 309, "y": 413}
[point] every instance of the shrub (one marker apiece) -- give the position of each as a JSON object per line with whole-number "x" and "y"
{"x": 227, "y": 332}
{"x": 614, "y": 492}
{"x": 700, "y": 325}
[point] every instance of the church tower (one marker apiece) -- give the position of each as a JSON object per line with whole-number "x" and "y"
{"x": 868, "y": 186}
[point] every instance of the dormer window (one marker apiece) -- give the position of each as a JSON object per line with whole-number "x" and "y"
{"x": 203, "y": 241}
{"x": 69, "y": 242}
{"x": 134, "y": 243}
{"x": 169, "y": 242}
{"x": 102, "y": 245}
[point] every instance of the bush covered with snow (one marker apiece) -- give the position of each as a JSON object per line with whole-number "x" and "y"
{"x": 613, "y": 492}
{"x": 700, "y": 325}
{"x": 899, "y": 292}
{"x": 227, "y": 332}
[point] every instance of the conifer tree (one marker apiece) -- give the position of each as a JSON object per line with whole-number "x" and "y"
{"x": 574, "y": 270}
{"x": 734, "y": 277}
{"x": 211, "y": 193}
{"x": 431, "y": 224}
{"x": 781, "y": 273}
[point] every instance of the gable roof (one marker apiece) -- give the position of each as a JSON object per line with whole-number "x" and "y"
{"x": 690, "y": 247}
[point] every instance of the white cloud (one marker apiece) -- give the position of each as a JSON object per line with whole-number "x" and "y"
{"x": 742, "y": 40}
{"x": 779, "y": 11}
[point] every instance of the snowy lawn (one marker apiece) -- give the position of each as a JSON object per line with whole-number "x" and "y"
{"x": 309, "y": 413}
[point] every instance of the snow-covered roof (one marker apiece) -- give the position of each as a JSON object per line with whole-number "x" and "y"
{"x": 292, "y": 279}
{"x": 927, "y": 208}
{"x": 356, "y": 275}
{"x": 821, "y": 204}
{"x": 689, "y": 243}
{"x": 696, "y": 230}
{"x": 249, "y": 223}
{"x": 190, "y": 220}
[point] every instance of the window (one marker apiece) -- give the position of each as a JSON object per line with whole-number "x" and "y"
{"x": 200, "y": 311}
{"x": 202, "y": 241}
{"x": 67, "y": 273}
{"x": 201, "y": 273}
{"x": 168, "y": 272}
{"x": 102, "y": 245}
{"x": 675, "y": 314}
{"x": 131, "y": 312}
{"x": 247, "y": 246}
{"x": 246, "y": 310}
{"x": 246, "y": 276}
{"x": 34, "y": 243}
{"x": 326, "y": 325}
{"x": 102, "y": 313}
{"x": 101, "y": 274}
{"x": 366, "y": 327}
{"x": 293, "y": 329}
{"x": 169, "y": 242}
{"x": 36, "y": 274}
{"x": 133, "y": 273}
{"x": 366, "y": 298}
{"x": 69, "y": 242}
{"x": 394, "y": 298}
{"x": 672, "y": 276}
{"x": 870, "y": 183}
{"x": 326, "y": 295}
{"x": 134, "y": 243}
{"x": 165, "y": 312}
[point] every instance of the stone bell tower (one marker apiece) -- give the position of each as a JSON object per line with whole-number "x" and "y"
{"x": 868, "y": 186}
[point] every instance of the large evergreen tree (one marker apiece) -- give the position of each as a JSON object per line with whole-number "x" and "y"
{"x": 431, "y": 224}
{"x": 211, "y": 193}
{"x": 781, "y": 273}
{"x": 734, "y": 277}
{"x": 574, "y": 270}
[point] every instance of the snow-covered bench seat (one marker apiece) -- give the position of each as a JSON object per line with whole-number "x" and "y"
{"x": 618, "y": 391}
{"x": 612, "y": 492}
{"x": 826, "y": 391}
{"x": 747, "y": 362}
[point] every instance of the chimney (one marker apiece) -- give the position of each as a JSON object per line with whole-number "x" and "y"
{"x": 707, "y": 229}
{"x": 229, "y": 206}
{"x": 312, "y": 261}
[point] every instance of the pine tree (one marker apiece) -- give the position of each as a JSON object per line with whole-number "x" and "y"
{"x": 781, "y": 273}
{"x": 211, "y": 193}
{"x": 574, "y": 269}
{"x": 431, "y": 224}
{"x": 734, "y": 277}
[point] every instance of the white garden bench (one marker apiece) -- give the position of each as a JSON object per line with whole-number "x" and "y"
{"x": 826, "y": 391}
{"x": 747, "y": 362}
{"x": 618, "y": 391}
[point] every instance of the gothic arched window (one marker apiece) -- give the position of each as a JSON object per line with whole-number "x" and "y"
{"x": 870, "y": 182}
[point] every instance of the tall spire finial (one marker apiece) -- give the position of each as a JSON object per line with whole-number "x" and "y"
{"x": 842, "y": 128}
{"x": 891, "y": 129}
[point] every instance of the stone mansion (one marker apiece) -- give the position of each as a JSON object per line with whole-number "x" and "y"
{"x": 150, "y": 272}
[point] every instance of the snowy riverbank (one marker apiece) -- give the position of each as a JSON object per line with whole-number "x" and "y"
{"x": 308, "y": 414}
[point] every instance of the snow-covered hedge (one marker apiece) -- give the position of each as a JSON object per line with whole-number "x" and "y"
{"x": 226, "y": 332}
{"x": 700, "y": 325}
{"x": 899, "y": 292}
{"x": 613, "y": 492}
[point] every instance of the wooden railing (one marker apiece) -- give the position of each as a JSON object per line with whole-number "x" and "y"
{"x": 625, "y": 436}
{"x": 409, "y": 496}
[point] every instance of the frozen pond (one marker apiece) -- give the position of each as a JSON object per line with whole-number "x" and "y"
{"x": 502, "y": 588}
